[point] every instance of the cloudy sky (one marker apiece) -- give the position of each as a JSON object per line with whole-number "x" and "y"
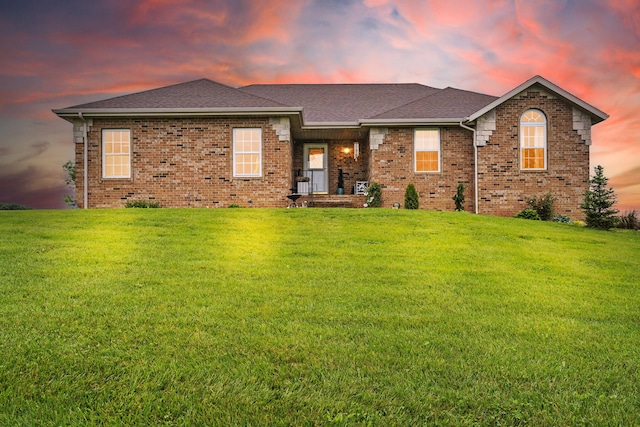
{"x": 60, "y": 53}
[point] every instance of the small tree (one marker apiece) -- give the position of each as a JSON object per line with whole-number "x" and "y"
{"x": 70, "y": 179}
{"x": 411, "y": 197}
{"x": 598, "y": 202}
{"x": 459, "y": 198}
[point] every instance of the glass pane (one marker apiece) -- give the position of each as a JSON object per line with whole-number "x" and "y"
{"x": 427, "y": 140}
{"x": 533, "y": 158}
{"x": 255, "y": 164}
{"x": 427, "y": 161}
{"x": 532, "y": 116}
{"x": 316, "y": 158}
{"x": 253, "y": 135}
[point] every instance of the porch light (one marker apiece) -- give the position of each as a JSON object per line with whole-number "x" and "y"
{"x": 346, "y": 150}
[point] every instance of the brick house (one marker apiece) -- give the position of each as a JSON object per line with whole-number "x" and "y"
{"x": 204, "y": 144}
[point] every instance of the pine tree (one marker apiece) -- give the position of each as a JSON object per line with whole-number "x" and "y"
{"x": 598, "y": 202}
{"x": 411, "y": 197}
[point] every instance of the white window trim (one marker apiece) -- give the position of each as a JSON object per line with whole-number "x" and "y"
{"x": 544, "y": 146}
{"x": 104, "y": 155}
{"x": 235, "y": 173}
{"x": 415, "y": 151}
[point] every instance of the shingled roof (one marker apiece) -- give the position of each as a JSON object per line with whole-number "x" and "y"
{"x": 444, "y": 104}
{"x": 203, "y": 93}
{"x": 317, "y": 105}
{"x": 342, "y": 103}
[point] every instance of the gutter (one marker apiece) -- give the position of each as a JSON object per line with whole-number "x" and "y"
{"x": 177, "y": 112}
{"x": 85, "y": 177}
{"x": 475, "y": 163}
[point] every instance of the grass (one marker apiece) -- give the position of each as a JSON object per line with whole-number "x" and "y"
{"x": 315, "y": 317}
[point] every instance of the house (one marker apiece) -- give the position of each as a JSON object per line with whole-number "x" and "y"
{"x": 205, "y": 144}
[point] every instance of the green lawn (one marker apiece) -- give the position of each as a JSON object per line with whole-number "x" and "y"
{"x": 315, "y": 317}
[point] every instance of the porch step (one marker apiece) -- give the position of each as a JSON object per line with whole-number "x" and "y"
{"x": 335, "y": 201}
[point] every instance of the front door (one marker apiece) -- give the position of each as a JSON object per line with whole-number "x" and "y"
{"x": 315, "y": 167}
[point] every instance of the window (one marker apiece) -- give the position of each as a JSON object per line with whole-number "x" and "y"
{"x": 116, "y": 153}
{"x": 247, "y": 152}
{"x": 533, "y": 140}
{"x": 427, "y": 150}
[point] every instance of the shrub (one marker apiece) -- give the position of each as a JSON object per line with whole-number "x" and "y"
{"x": 598, "y": 202}
{"x": 629, "y": 221}
{"x": 411, "y": 197}
{"x": 13, "y": 207}
{"x": 459, "y": 198}
{"x": 373, "y": 195}
{"x": 578, "y": 223}
{"x": 562, "y": 219}
{"x": 141, "y": 204}
{"x": 235, "y": 205}
{"x": 527, "y": 214}
{"x": 70, "y": 179}
{"x": 543, "y": 205}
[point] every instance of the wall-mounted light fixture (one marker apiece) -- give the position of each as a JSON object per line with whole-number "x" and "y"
{"x": 346, "y": 150}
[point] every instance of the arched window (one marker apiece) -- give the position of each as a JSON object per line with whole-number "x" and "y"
{"x": 533, "y": 140}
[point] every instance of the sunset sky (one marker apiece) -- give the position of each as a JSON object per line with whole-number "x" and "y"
{"x": 56, "y": 54}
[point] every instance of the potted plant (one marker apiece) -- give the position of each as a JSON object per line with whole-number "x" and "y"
{"x": 340, "y": 182}
{"x": 303, "y": 185}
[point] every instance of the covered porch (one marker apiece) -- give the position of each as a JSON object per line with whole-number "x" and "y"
{"x": 330, "y": 166}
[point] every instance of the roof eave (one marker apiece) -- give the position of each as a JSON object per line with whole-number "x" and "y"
{"x": 411, "y": 122}
{"x": 176, "y": 112}
{"x": 330, "y": 125}
{"x": 595, "y": 113}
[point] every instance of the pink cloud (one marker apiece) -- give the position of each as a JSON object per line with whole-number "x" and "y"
{"x": 589, "y": 48}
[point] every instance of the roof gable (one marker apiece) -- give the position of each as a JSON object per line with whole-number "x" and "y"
{"x": 596, "y": 115}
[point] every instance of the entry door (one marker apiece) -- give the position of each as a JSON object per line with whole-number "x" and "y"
{"x": 315, "y": 167}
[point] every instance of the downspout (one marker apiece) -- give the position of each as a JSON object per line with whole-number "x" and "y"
{"x": 85, "y": 178}
{"x": 475, "y": 163}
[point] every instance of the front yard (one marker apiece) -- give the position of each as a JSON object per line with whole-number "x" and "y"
{"x": 315, "y": 317}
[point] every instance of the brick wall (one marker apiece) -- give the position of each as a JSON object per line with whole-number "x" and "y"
{"x": 504, "y": 188}
{"x": 182, "y": 162}
{"x": 391, "y": 165}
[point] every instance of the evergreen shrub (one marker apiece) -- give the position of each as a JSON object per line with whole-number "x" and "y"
{"x": 411, "y": 197}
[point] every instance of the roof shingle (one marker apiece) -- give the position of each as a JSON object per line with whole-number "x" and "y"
{"x": 201, "y": 93}
{"x": 341, "y": 102}
{"x": 447, "y": 103}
